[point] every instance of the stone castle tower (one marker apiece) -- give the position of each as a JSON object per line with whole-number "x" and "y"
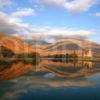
{"x": 88, "y": 54}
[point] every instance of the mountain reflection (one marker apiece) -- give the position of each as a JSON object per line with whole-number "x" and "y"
{"x": 21, "y": 77}
{"x": 70, "y": 69}
{"x": 11, "y": 70}
{"x": 61, "y": 69}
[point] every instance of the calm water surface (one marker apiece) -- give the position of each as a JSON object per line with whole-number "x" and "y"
{"x": 50, "y": 80}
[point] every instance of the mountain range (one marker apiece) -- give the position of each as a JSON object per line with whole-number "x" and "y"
{"x": 16, "y": 45}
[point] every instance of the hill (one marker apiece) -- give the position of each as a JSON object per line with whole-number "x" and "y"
{"x": 15, "y": 44}
{"x": 70, "y": 45}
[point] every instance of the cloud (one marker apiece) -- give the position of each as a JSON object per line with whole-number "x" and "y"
{"x": 47, "y": 33}
{"x": 80, "y": 5}
{"x": 4, "y": 3}
{"x": 24, "y": 12}
{"x": 75, "y": 6}
{"x": 52, "y": 2}
{"x": 12, "y": 23}
{"x": 97, "y": 14}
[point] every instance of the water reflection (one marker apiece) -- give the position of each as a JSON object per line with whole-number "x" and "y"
{"x": 28, "y": 84}
{"x": 67, "y": 69}
{"x": 11, "y": 70}
{"x": 20, "y": 79}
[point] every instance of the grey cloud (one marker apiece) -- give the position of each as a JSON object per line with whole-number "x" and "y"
{"x": 12, "y": 23}
{"x": 74, "y": 6}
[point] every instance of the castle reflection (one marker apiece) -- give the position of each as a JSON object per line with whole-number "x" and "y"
{"x": 68, "y": 69}
{"x": 20, "y": 77}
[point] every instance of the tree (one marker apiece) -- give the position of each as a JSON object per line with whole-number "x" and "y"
{"x": 5, "y": 52}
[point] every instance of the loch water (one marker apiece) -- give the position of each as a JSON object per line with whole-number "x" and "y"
{"x": 50, "y": 80}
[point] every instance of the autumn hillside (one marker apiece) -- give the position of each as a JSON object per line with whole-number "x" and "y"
{"x": 15, "y": 44}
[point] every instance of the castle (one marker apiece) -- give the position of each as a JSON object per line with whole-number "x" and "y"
{"x": 87, "y": 54}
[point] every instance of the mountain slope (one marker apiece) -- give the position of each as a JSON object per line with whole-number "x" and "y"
{"x": 15, "y": 44}
{"x": 73, "y": 44}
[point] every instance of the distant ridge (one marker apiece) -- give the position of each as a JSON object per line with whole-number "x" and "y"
{"x": 18, "y": 46}
{"x": 62, "y": 45}
{"x": 15, "y": 44}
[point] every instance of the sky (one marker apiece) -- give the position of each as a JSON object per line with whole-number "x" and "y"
{"x": 51, "y": 19}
